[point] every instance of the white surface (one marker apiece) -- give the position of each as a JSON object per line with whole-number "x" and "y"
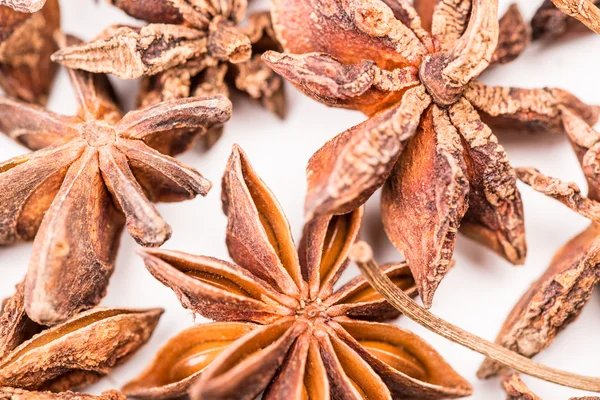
{"x": 476, "y": 295}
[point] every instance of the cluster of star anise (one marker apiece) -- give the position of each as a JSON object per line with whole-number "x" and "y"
{"x": 281, "y": 329}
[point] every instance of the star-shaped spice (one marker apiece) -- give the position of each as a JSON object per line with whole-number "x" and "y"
{"x": 25, "y": 47}
{"x": 440, "y": 165}
{"x": 282, "y": 329}
{"x": 556, "y": 299}
{"x": 188, "y": 49}
{"x": 93, "y": 173}
{"x": 71, "y": 355}
{"x": 549, "y": 22}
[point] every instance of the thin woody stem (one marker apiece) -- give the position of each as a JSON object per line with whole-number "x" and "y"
{"x": 362, "y": 255}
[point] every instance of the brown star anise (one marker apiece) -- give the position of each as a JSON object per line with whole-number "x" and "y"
{"x": 558, "y": 296}
{"x": 549, "y": 22}
{"x": 516, "y": 389}
{"x": 25, "y": 47}
{"x": 282, "y": 328}
{"x": 188, "y": 49}
{"x": 556, "y": 299}
{"x": 92, "y": 174}
{"x": 71, "y": 355}
{"x": 440, "y": 166}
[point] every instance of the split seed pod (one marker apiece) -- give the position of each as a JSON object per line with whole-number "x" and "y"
{"x": 73, "y": 354}
{"x": 297, "y": 339}
{"x": 413, "y": 72}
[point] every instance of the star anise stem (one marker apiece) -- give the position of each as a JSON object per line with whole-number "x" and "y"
{"x": 362, "y": 255}
{"x": 583, "y": 10}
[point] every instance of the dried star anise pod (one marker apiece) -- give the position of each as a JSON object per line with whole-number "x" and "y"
{"x": 20, "y": 394}
{"x": 440, "y": 166}
{"x": 549, "y": 22}
{"x": 26, "y": 44}
{"x": 282, "y": 329}
{"x": 516, "y": 389}
{"x": 73, "y": 354}
{"x": 93, "y": 174}
{"x": 558, "y": 296}
{"x": 556, "y": 299}
{"x": 187, "y": 50}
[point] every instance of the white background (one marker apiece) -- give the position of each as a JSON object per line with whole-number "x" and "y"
{"x": 476, "y": 295}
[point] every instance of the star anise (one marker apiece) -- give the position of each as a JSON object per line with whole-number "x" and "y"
{"x": 71, "y": 355}
{"x": 549, "y": 22}
{"x": 516, "y": 389}
{"x": 440, "y": 166}
{"x": 25, "y": 47}
{"x": 282, "y": 328}
{"x": 93, "y": 173}
{"x": 188, "y": 49}
{"x": 556, "y": 299}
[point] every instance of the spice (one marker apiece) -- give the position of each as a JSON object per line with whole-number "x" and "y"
{"x": 20, "y": 394}
{"x": 550, "y": 23}
{"x": 284, "y": 330}
{"x": 556, "y": 299}
{"x": 517, "y": 390}
{"x": 94, "y": 172}
{"x": 26, "y": 44}
{"x": 187, "y": 50}
{"x": 25, "y": 6}
{"x": 74, "y": 354}
{"x": 440, "y": 166}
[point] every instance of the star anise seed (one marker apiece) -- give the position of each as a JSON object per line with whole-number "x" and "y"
{"x": 440, "y": 165}
{"x": 282, "y": 329}
{"x": 187, "y": 50}
{"x": 73, "y": 354}
{"x": 26, "y": 44}
{"x": 93, "y": 174}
